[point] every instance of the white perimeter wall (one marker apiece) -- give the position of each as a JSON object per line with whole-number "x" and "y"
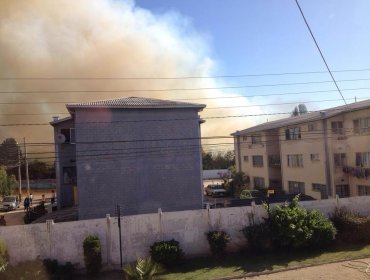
{"x": 63, "y": 241}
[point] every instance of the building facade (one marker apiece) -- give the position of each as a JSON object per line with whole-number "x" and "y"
{"x": 142, "y": 154}
{"x": 321, "y": 154}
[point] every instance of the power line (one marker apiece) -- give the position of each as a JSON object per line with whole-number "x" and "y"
{"x": 180, "y": 89}
{"x": 184, "y": 77}
{"x": 197, "y": 98}
{"x": 207, "y": 108}
{"x": 175, "y": 119}
{"x": 322, "y": 56}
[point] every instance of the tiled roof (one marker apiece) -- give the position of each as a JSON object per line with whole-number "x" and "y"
{"x": 60, "y": 120}
{"x": 135, "y": 102}
{"x": 323, "y": 114}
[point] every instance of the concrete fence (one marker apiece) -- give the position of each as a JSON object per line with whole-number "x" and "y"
{"x": 63, "y": 241}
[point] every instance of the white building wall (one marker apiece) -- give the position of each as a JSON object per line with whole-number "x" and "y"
{"x": 63, "y": 241}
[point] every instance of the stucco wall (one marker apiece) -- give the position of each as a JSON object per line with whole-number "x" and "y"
{"x": 63, "y": 241}
{"x": 140, "y": 159}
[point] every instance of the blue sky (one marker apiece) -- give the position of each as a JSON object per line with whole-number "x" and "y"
{"x": 252, "y": 37}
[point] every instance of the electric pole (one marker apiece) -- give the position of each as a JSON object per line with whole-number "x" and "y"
{"x": 25, "y": 158}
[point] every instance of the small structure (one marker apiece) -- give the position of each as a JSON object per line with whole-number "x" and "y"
{"x": 139, "y": 153}
{"x": 215, "y": 176}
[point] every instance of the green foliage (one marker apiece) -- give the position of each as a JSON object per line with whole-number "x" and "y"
{"x": 4, "y": 258}
{"x": 294, "y": 227}
{"x": 92, "y": 254}
{"x": 217, "y": 161}
{"x": 167, "y": 253}
{"x": 258, "y": 237}
{"x": 352, "y": 227}
{"x": 29, "y": 270}
{"x": 58, "y": 271}
{"x": 217, "y": 241}
{"x": 239, "y": 182}
{"x": 143, "y": 269}
{"x": 9, "y": 150}
{"x": 7, "y": 183}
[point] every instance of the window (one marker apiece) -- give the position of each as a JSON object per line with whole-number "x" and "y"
{"x": 256, "y": 139}
{"x": 296, "y": 187}
{"x": 259, "y": 182}
{"x": 318, "y": 187}
{"x": 340, "y": 160}
{"x": 315, "y": 157}
{"x": 295, "y": 160}
{"x": 275, "y": 184}
{"x": 69, "y": 134}
{"x": 337, "y": 127}
{"x": 245, "y": 138}
{"x": 293, "y": 133}
{"x": 246, "y": 158}
{"x": 363, "y": 159}
{"x": 257, "y": 161}
{"x": 363, "y": 190}
{"x": 69, "y": 175}
{"x": 361, "y": 125}
{"x": 312, "y": 127}
{"x": 342, "y": 190}
{"x": 274, "y": 160}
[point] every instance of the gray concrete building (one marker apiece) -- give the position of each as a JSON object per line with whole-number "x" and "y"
{"x": 140, "y": 153}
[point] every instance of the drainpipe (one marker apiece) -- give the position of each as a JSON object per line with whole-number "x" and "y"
{"x": 327, "y": 155}
{"x": 237, "y": 139}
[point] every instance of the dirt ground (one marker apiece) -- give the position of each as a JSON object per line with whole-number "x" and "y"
{"x": 353, "y": 270}
{"x": 15, "y": 217}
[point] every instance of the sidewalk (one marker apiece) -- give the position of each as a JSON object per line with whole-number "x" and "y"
{"x": 333, "y": 271}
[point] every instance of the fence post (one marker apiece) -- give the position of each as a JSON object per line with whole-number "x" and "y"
{"x": 49, "y": 231}
{"x": 160, "y": 223}
{"x": 108, "y": 235}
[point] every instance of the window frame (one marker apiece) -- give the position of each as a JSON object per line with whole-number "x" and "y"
{"x": 295, "y": 160}
{"x": 255, "y": 162}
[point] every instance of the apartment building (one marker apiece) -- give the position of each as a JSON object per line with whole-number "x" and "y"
{"x": 321, "y": 154}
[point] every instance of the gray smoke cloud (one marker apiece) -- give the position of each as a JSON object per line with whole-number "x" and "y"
{"x": 101, "y": 38}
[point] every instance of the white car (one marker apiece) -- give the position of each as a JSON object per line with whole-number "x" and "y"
{"x": 10, "y": 203}
{"x": 215, "y": 190}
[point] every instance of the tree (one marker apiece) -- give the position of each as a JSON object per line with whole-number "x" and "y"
{"x": 239, "y": 181}
{"x": 7, "y": 183}
{"x": 217, "y": 161}
{"x": 299, "y": 110}
{"x": 9, "y": 152}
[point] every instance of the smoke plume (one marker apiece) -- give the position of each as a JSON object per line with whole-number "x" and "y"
{"x": 101, "y": 38}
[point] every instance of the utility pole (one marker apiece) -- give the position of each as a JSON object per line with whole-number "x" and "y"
{"x": 119, "y": 231}
{"x": 25, "y": 158}
{"x": 19, "y": 173}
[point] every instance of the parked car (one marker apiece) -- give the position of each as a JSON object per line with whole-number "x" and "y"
{"x": 245, "y": 194}
{"x": 215, "y": 190}
{"x": 10, "y": 203}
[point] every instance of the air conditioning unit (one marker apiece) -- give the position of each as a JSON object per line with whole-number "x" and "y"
{"x": 60, "y": 138}
{"x": 250, "y": 146}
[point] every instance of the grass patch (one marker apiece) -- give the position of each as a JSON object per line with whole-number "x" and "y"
{"x": 241, "y": 263}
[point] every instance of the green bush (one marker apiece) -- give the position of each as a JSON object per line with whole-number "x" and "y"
{"x": 217, "y": 241}
{"x": 351, "y": 227}
{"x": 258, "y": 237}
{"x": 58, "y": 271}
{"x": 167, "y": 253}
{"x": 92, "y": 254}
{"x": 4, "y": 258}
{"x": 294, "y": 227}
{"x": 143, "y": 269}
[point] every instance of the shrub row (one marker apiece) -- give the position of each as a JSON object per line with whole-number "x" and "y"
{"x": 351, "y": 227}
